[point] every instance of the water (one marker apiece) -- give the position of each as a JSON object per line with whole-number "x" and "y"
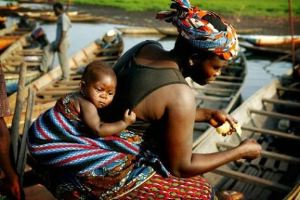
{"x": 81, "y": 34}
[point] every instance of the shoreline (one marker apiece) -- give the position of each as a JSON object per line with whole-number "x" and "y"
{"x": 263, "y": 25}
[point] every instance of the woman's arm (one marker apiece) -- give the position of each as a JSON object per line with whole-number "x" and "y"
{"x": 10, "y": 175}
{"x": 181, "y": 113}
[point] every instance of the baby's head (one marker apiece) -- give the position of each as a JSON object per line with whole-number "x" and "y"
{"x": 98, "y": 84}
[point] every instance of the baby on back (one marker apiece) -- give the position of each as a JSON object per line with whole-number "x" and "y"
{"x": 97, "y": 90}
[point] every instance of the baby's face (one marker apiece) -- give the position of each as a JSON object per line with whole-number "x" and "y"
{"x": 102, "y": 91}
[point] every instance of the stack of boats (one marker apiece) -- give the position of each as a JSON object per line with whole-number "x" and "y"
{"x": 22, "y": 52}
{"x": 46, "y": 14}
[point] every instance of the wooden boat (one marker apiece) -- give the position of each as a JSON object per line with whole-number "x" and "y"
{"x": 224, "y": 93}
{"x": 10, "y": 35}
{"x": 135, "y": 30}
{"x": 9, "y": 7}
{"x": 34, "y": 1}
{"x": 49, "y": 87}
{"x": 5, "y": 41}
{"x": 19, "y": 53}
{"x": 273, "y": 51}
{"x": 74, "y": 18}
{"x": 270, "y": 40}
{"x": 38, "y": 15}
{"x": 271, "y": 117}
{"x": 168, "y": 31}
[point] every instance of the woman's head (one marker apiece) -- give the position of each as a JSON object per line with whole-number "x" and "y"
{"x": 202, "y": 34}
{"x": 98, "y": 84}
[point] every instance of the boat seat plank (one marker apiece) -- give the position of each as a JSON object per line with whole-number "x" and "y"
{"x": 231, "y": 78}
{"x": 271, "y": 132}
{"x": 268, "y": 154}
{"x": 252, "y": 179}
{"x": 286, "y": 89}
{"x": 281, "y": 102}
{"x": 71, "y": 88}
{"x": 214, "y": 89}
{"x": 276, "y": 115}
{"x": 45, "y": 100}
{"x": 226, "y": 83}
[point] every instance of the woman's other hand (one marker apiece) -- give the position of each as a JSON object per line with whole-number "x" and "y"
{"x": 250, "y": 149}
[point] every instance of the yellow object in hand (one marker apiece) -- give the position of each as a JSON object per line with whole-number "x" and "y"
{"x": 225, "y": 128}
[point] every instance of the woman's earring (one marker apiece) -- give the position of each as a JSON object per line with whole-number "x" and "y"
{"x": 191, "y": 62}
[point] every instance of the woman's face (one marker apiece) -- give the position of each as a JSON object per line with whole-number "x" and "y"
{"x": 205, "y": 71}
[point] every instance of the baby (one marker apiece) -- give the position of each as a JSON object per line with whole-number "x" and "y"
{"x": 97, "y": 89}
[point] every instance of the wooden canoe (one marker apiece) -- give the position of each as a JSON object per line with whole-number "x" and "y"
{"x": 136, "y": 30}
{"x": 17, "y": 54}
{"x": 271, "y": 116}
{"x": 5, "y": 41}
{"x": 224, "y": 93}
{"x": 49, "y": 87}
{"x": 263, "y": 50}
{"x": 270, "y": 40}
{"x": 74, "y": 18}
{"x": 38, "y": 15}
{"x": 168, "y": 31}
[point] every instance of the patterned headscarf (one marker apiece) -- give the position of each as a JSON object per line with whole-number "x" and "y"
{"x": 193, "y": 24}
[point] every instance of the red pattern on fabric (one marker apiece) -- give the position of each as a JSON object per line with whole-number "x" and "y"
{"x": 158, "y": 187}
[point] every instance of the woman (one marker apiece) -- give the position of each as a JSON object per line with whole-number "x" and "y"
{"x": 154, "y": 159}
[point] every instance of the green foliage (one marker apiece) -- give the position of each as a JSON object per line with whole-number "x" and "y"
{"x": 223, "y": 7}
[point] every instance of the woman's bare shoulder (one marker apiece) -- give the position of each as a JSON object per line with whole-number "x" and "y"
{"x": 154, "y": 55}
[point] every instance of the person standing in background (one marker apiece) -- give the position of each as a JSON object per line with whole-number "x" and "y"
{"x": 11, "y": 180}
{"x": 60, "y": 44}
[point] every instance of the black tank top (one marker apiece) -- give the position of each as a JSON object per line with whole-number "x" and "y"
{"x": 136, "y": 81}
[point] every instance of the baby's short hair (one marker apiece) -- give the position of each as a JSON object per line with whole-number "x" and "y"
{"x": 95, "y": 70}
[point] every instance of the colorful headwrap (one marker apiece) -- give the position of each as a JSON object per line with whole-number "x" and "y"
{"x": 193, "y": 25}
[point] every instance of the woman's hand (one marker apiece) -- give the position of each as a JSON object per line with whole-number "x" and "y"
{"x": 13, "y": 186}
{"x": 218, "y": 118}
{"x": 250, "y": 149}
{"x": 129, "y": 117}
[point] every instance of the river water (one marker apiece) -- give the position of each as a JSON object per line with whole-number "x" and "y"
{"x": 260, "y": 72}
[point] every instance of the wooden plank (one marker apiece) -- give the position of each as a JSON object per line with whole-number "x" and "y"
{"x": 214, "y": 89}
{"x": 281, "y": 102}
{"x": 276, "y": 115}
{"x": 226, "y": 83}
{"x": 271, "y": 132}
{"x": 252, "y": 179}
{"x": 286, "y": 89}
{"x": 268, "y": 154}
{"x": 62, "y": 88}
{"x": 229, "y": 78}
{"x": 54, "y": 92}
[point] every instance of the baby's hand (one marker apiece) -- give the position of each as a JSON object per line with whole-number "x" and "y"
{"x": 129, "y": 117}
